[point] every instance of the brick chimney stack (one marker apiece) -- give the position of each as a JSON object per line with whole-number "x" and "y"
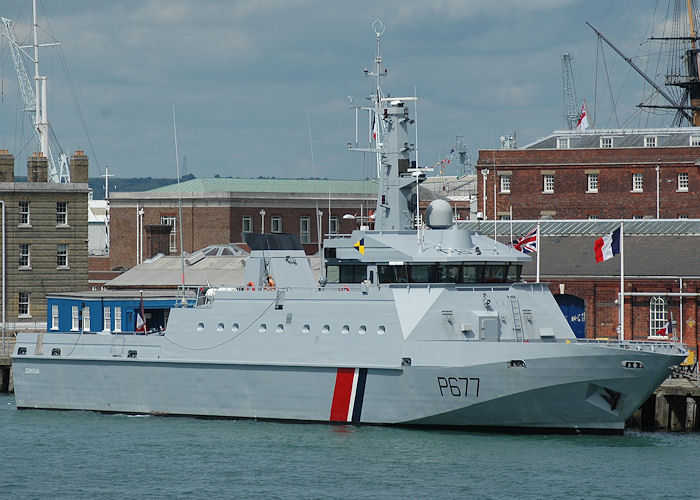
{"x": 79, "y": 167}
{"x": 7, "y": 166}
{"x": 37, "y": 168}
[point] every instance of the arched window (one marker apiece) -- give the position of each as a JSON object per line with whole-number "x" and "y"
{"x": 657, "y": 314}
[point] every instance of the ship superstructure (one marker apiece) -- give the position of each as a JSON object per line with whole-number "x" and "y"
{"x": 414, "y": 323}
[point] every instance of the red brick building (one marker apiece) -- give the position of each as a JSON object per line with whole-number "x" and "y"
{"x": 607, "y": 174}
{"x": 218, "y": 210}
{"x": 604, "y": 174}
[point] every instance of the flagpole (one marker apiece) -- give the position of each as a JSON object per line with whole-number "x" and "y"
{"x": 511, "y": 224}
{"x": 622, "y": 282}
{"x": 538, "y": 251}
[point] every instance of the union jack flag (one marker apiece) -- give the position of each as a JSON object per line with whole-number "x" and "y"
{"x": 527, "y": 243}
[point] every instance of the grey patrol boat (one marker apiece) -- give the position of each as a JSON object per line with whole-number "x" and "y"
{"x": 411, "y": 325}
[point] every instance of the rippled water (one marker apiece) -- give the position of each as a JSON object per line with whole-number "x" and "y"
{"x": 83, "y": 454}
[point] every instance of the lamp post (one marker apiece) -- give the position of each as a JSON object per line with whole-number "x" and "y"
{"x": 657, "y": 191}
{"x": 485, "y": 173}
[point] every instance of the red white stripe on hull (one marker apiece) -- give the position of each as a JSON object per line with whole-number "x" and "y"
{"x": 348, "y": 394}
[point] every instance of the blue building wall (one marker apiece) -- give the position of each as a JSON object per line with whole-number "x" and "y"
{"x": 155, "y": 309}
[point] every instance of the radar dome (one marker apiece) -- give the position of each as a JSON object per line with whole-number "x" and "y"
{"x": 438, "y": 215}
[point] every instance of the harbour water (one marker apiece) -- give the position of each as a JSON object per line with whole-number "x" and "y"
{"x": 51, "y": 454}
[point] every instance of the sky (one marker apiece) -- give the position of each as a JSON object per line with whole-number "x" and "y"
{"x": 262, "y": 87}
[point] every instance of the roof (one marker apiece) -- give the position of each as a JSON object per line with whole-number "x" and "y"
{"x": 569, "y": 257}
{"x": 622, "y": 138}
{"x": 237, "y": 185}
{"x": 583, "y": 227}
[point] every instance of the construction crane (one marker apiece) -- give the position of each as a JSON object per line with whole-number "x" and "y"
{"x": 571, "y": 110}
{"x": 35, "y": 98}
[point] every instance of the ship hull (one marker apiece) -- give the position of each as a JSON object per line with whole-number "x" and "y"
{"x": 521, "y": 386}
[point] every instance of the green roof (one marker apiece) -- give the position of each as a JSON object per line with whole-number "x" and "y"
{"x": 229, "y": 185}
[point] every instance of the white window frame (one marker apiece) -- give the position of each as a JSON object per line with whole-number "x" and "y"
{"x": 117, "y": 318}
{"x": 658, "y": 312}
{"x": 75, "y": 319}
{"x": 606, "y": 142}
{"x": 86, "y": 319}
{"x": 62, "y": 255}
{"x": 682, "y": 216}
{"x": 592, "y": 217}
{"x": 305, "y": 229}
{"x": 25, "y": 256}
{"x": 505, "y": 183}
{"x": 106, "y": 319}
{"x": 694, "y": 140}
{"x": 592, "y": 183}
{"x": 247, "y": 224}
{"x": 683, "y": 182}
{"x": 650, "y": 141}
{"x": 54, "y": 316}
{"x": 547, "y": 183}
{"x": 24, "y": 213}
{"x": 334, "y": 225}
{"x": 61, "y": 213}
{"x": 23, "y": 305}
{"x": 171, "y": 220}
{"x": 637, "y": 183}
{"x": 276, "y": 224}
{"x": 563, "y": 142}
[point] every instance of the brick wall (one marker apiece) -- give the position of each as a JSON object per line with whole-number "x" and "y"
{"x": 570, "y": 199}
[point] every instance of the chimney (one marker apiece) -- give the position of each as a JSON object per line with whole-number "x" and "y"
{"x": 79, "y": 167}
{"x": 37, "y": 168}
{"x": 7, "y": 166}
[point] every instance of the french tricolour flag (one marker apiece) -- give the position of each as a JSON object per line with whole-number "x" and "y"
{"x": 608, "y": 246}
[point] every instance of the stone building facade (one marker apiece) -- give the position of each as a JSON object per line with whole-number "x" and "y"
{"x": 45, "y": 234}
{"x": 603, "y": 174}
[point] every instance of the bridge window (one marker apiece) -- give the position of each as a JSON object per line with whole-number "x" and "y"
{"x": 347, "y": 273}
{"x": 449, "y": 273}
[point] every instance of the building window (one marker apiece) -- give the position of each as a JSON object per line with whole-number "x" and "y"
{"x": 86, "y": 319}
{"x": 247, "y": 224}
{"x": 305, "y": 229}
{"x": 682, "y": 216}
{"x": 117, "y": 318}
{"x": 61, "y": 213}
{"x": 695, "y": 140}
{"x": 592, "y": 183}
{"x": 592, "y": 217}
{"x": 505, "y": 184}
{"x": 504, "y": 217}
{"x": 75, "y": 320}
{"x": 23, "y": 309}
{"x": 54, "y": 317}
{"x": 62, "y": 255}
{"x": 682, "y": 181}
{"x": 171, "y": 221}
{"x": 334, "y": 225}
{"x": 657, "y": 314}
{"x": 24, "y": 255}
{"x": 276, "y": 224}
{"x": 548, "y": 183}
{"x": 606, "y": 142}
{"x": 24, "y": 213}
{"x": 637, "y": 183}
{"x": 107, "y": 320}
{"x": 562, "y": 143}
{"x": 637, "y": 217}
{"x": 650, "y": 141}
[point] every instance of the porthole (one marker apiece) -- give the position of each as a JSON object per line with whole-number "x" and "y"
{"x": 263, "y": 328}
{"x": 280, "y": 328}
{"x": 220, "y": 327}
{"x": 234, "y": 328}
{"x": 345, "y": 330}
{"x": 306, "y": 329}
{"x": 362, "y": 330}
{"x": 200, "y": 327}
{"x": 325, "y": 329}
{"x": 381, "y": 330}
